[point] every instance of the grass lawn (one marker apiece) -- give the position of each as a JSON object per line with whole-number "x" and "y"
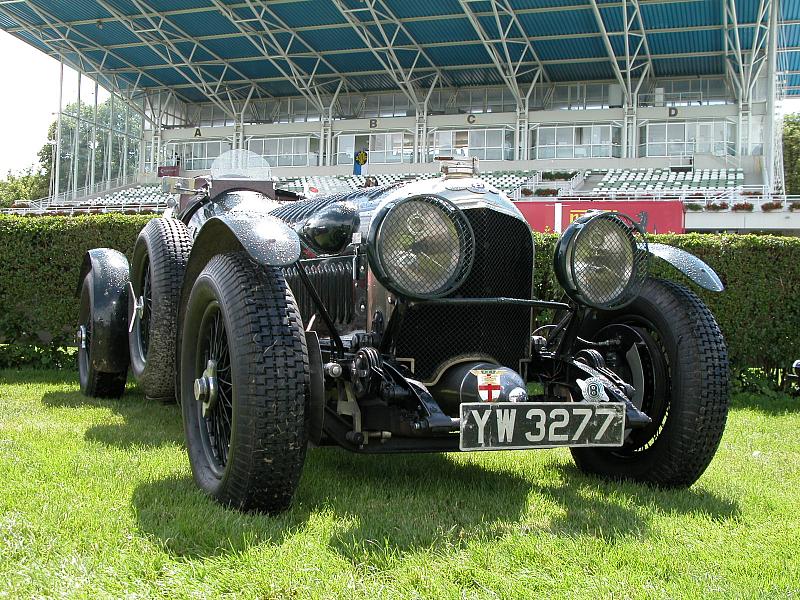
{"x": 97, "y": 501}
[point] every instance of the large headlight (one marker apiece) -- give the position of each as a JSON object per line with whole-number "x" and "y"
{"x": 421, "y": 247}
{"x": 601, "y": 260}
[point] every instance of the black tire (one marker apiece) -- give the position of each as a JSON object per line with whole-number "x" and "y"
{"x": 157, "y": 270}
{"x": 94, "y": 383}
{"x": 263, "y": 380}
{"x": 686, "y": 396}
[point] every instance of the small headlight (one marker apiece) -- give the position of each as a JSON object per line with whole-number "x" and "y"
{"x": 601, "y": 260}
{"x": 421, "y": 247}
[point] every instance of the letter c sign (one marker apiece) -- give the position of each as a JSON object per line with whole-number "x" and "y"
{"x": 470, "y": 119}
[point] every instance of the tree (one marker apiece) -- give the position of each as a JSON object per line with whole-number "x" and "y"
{"x": 791, "y": 153}
{"x": 29, "y": 184}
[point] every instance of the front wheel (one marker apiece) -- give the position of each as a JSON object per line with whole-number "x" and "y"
{"x": 673, "y": 351}
{"x": 244, "y": 384}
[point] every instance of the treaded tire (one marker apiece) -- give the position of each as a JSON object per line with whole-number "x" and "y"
{"x": 94, "y": 383}
{"x": 684, "y": 441}
{"x": 159, "y": 256}
{"x": 265, "y": 384}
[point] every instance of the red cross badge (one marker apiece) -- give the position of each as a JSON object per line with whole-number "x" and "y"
{"x": 489, "y": 387}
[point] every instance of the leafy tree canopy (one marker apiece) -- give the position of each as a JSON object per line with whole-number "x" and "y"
{"x": 791, "y": 152}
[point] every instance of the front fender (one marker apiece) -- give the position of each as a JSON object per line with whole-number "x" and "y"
{"x": 108, "y": 274}
{"x": 268, "y": 240}
{"x": 688, "y": 264}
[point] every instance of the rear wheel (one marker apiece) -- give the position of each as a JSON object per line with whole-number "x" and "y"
{"x": 673, "y": 352}
{"x": 94, "y": 383}
{"x": 244, "y": 384}
{"x": 159, "y": 262}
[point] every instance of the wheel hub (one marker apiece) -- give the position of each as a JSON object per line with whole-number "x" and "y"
{"x": 80, "y": 336}
{"x": 206, "y": 389}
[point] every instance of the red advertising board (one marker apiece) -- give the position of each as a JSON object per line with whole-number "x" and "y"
{"x": 169, "y": 171}
{"x": 661, "y": 216}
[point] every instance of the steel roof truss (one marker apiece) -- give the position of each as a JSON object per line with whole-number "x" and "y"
{"x": 378, "y": 16}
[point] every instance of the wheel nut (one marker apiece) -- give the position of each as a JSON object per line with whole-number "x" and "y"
{"x": 333, "y": 369}
{"x": 201, "y": 389}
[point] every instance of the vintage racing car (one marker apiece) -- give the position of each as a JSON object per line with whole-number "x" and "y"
{"x": 399, "y": 318}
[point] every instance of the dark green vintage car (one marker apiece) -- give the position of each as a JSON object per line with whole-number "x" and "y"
{"x": 400, "y": 319}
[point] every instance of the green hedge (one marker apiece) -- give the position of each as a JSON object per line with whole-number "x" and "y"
{"x": 759, "y": 311}
{"x": 41, "y": 259}
{"x": 41, "y": 256}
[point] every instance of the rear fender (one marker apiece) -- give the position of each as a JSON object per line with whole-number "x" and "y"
{"x": 108, "y": 273}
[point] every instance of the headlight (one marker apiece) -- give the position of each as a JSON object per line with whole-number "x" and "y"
{"x": 421, "y": 247}
{"x": 601, "y": 260}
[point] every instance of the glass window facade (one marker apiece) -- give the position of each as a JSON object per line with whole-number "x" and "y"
{"x": 686, "y": 138}
{"x": 195, "y": 156}
{"x": 287, "y": 151}
{"x": 384, "y": 148}
{"x": 484, "y": 144}
{"x": 594, "y": 140}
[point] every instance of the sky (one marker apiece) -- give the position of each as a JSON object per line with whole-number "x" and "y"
{"x": 26, "y": 114}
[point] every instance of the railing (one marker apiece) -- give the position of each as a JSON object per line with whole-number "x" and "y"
{"x": 84, "y": 192}
{"x": 75, "y": 209}
{"x": 712, "y": 201}
{"x": 680, "y": 99}
{"x": 529, "y": 184}
{"x": 564, "y": 186}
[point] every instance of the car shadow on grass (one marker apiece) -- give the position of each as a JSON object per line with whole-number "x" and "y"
{"x": 370, "y": 508}
{"x": 137, "y": 421}
{"x": 612, "y": 509}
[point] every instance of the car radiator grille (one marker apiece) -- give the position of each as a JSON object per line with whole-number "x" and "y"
{"x": 503, "y": 266}
{"x": 333, "y": 280}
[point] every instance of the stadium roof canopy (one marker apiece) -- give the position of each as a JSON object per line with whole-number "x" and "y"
{"x": 202, "y": 49}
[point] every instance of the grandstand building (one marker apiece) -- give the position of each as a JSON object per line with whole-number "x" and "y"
{"x": 631, "y": 99}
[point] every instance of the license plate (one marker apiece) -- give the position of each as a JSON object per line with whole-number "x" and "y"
{"x": 522, "y": 425}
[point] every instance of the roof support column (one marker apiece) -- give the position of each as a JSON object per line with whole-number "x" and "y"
{"x": 93, "y": 145}
{"x": 420, "y": 154}
{"x": 238, "y": 123}
{"x": 125, "y": 143}
{"x": 110, "y": 143}
{"x": 773, "y": 134}
{"x": 75, "y": 142}
{"x": 326, "y": 129}
{"x": 637, "y": 66}
{"x": 745, "y": 66}
{"x": 512, "y": 54}
{"x": 57, "y": 158}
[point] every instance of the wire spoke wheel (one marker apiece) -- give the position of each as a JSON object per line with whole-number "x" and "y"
{"x": 157, "y": 268}
{"x": 216, "y": 414}
{"x": 84, "y": 327}
{"x": 147, "y": 311}
{"x": 244, "y": 382}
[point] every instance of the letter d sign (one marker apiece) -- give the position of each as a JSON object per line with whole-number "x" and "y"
{"x": 673, "y": 112}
